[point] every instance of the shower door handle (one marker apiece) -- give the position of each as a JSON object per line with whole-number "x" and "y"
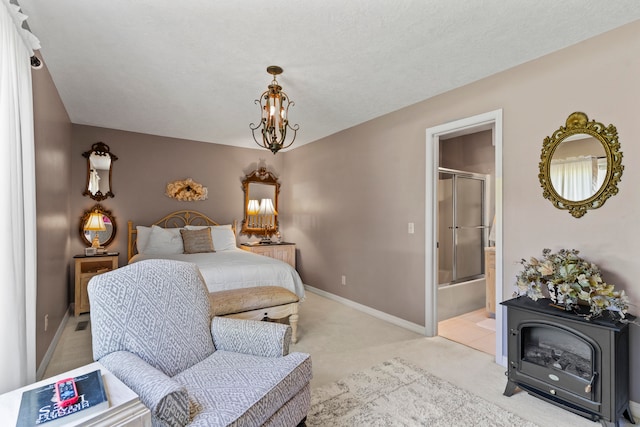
{"x": 469, "y": 226}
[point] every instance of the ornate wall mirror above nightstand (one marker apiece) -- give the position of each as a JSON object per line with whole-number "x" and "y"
{"x": 97, "y": 227}
{"x": 99, "y": 166}
{"x": 580, "y": 165}
{"x": 261, "y": 189}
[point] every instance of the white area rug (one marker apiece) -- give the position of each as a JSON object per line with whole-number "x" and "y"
{"x": 395, "y": 393}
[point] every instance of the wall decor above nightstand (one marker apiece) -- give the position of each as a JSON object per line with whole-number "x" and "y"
{"x": 283, "y": 251}
{"x": 99, "y": 169}
{"x": 87, "y": 267}
{"x": 261, "y": 189}
{"x": 102, "y": 234}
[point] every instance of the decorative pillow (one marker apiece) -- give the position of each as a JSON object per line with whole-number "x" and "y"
{"x": 197, "y": 241}
{"x": 222, "y": 235}
{"x": 164, "y": 241}
{"x": 142, "y": 238}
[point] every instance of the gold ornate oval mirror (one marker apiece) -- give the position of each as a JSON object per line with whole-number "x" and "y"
{"x": 99, "y": 166}
{"x": 261, "y": 189}
{"x": 97, "y": 227}
{"x": 580, "y": 165}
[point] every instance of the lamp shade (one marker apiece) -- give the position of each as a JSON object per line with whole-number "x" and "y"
{"x": 266, "y": 207}
{"x": 253, "y": 208}
{"x": 95, "y": 222}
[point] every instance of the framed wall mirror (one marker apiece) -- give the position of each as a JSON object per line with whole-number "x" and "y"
{"x": 580, "y": 165}
{"x": 99, "y": 168}
{"x": 97, "y": 227}
{"x": 261, "y": 189}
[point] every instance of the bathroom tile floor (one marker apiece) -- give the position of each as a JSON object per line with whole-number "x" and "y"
{"x": 474, "y": 329}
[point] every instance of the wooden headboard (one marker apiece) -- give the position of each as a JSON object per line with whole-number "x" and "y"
{"x": 176, "y": 219}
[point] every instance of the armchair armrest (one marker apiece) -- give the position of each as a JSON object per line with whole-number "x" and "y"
{"x": 264, "y": 339}
{"x": 167, "y": 400}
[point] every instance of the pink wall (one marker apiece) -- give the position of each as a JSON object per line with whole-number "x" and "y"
{"x": 352, "y": 194}
{"x": 53, "y": 151}
{"x": 470, "y": 153}
{"x": 146, "y": 163}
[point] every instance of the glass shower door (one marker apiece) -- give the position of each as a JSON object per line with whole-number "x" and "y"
{"x": 461, "y": 229}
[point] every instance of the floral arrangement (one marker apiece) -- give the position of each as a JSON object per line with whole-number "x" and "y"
{"x": 569, "y": 281}
{"x": 186, "y": 190}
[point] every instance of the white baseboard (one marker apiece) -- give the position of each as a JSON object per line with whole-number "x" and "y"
{"x": 49, "y": 354}
{"x": 635, "y": 409}
{"x": 414, "y": 327}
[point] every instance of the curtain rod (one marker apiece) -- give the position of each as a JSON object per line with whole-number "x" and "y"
{"x": 31, "y": 42}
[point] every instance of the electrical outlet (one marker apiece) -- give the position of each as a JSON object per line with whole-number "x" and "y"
{"x": 411, "y": 228}
{"x": 46, "y": 322}
{"x": 344, "y": 280}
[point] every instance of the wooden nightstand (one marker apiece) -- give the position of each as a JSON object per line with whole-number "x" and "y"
{"x": 86, "y": 268}
{"x": 283, "y": 251}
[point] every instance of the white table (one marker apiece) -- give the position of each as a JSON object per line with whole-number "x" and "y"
{"x": 125, "y": 408}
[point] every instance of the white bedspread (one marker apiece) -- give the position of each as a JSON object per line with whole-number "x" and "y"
{"x": 233, "y": 269}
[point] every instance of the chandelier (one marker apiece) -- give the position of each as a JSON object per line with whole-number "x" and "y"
{"x": 274, "y": 105}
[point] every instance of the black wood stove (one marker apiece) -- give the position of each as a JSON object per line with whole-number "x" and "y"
{"x": 578, "y": 364}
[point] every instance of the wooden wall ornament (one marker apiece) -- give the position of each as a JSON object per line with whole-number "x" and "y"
{"x": 186, "y": 190}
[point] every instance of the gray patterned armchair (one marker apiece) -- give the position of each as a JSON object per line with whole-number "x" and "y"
{"x": 152, "y": 329}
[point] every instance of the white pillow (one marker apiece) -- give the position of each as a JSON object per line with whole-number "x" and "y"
{"x": 222, "y": 235}
{"x": 164, "y": 241}
{"x": 143, "y": 234}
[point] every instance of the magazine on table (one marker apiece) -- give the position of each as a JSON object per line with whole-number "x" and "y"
{"x": 62, "y": 402}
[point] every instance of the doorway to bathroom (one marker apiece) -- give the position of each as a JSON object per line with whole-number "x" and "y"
{"x": 464, "y": 209}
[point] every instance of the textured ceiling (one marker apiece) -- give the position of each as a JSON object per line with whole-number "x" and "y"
{"x": 193, "y": 68}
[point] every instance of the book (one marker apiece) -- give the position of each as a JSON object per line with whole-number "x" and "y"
{"x": 39, "y": 406}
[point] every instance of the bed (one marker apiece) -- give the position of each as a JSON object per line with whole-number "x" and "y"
{"x": 229, "y": 267}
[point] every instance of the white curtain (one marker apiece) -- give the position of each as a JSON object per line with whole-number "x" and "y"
{"x": 602, "y": 171}
{"x": 575, "y": 178}
{"x": 18, "y": 210}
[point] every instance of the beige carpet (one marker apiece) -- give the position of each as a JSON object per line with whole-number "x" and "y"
{"x": 343, "y": 340}
{"x": 396, "y": 393}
